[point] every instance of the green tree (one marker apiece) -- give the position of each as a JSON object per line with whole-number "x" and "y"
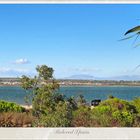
{"x": 46, "y": 101}
{"x": 45, "y": 72}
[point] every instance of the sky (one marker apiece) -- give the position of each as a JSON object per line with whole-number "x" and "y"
{"x": 73, "y": 39}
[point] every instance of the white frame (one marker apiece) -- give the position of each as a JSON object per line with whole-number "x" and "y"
{"x": 80, "y": 133}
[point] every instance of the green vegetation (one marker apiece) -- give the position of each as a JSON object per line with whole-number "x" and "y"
{"x": 52, "y": 109}
{"x": 13, "y": 115}
{"x": 114, "y": 112}
{"x": 10, "y": 107}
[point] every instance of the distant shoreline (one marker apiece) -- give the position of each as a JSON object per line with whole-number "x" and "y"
{"x": 81, "y": 85}
{"x": 77, "y": 83}
{"x": 27, "y": 107}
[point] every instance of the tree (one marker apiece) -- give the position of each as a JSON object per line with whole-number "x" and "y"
{"x": 46, "y": 101}
{"x": 45, "y": 72}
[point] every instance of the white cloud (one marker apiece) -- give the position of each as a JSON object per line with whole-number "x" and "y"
{"x": 21, "y": 61}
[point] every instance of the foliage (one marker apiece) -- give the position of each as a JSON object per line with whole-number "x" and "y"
{"x": 101, "y": 116}
{"x": 119, "y": 104}
{"x": 136, "y": 31}
{"x": 51, "y": 108}
{"x": 81, "y": 100}
{"x": 136, "y": 122}
{"x": 81, "y": 117}
{"x": 136, "y": 103}
{"x": 10, "y": 107}
{"x": 60, "y": 117}
{"x": 27, "y": 83}
{"x": 125, "y": 118}
{"x": 72, "y": 103}
{"x": 14, "y": 119}
{"x": 114, "y": 112}
{"x": 45, "y": 72}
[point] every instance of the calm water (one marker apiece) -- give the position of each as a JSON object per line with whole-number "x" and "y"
{"x": 16, "y": 94}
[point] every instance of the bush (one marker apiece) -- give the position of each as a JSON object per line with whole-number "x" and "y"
{"x": 114, "y": 112}
{"x": 81, "y": 117}
{"x": 60, "y": 117}
{"x": 101, "y": 116}
{"x": 125, "y": 118}
{"x": 12, "y": 119}
{"x": 136, "y": 103}
{"x": 10, "y": 107}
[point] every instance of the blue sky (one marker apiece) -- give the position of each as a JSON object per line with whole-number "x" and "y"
{"x": 73, "y": 39}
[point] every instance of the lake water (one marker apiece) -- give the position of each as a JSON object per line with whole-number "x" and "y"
{"x": 17, "y": 94}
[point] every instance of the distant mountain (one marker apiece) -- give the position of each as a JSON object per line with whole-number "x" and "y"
{"x": 81, "y": 77}
{"x": 118, "y": 78}
{"x": 126, "y": 78}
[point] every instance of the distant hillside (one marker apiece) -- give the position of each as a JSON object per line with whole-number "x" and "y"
{"x": 117, "y": 78}
{"x": 86, "y": 77}
{"x": 124, "y": 78}
{"x": 81, "y": 77}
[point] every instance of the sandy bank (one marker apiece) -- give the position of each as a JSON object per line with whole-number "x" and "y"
{"x": 27, "y": 106}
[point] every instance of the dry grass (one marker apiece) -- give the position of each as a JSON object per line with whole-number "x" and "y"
{"x": 11, "y": 119}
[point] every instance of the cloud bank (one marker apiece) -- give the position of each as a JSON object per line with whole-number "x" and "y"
{"x": 22, "y": 61}
{"x": 14, "y": 72}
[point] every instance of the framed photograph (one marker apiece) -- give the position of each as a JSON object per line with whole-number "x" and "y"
{"x": 69, "y": 70}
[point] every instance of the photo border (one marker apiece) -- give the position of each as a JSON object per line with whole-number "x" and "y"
{"x": 80, "y": 133}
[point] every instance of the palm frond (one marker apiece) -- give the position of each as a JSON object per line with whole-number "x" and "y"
{"x": 135, "y": 39}
{"x": 135, "y": 29}
{"x": 137, "y": 45}
{"x": 127, "y": 37}
{"x": 136, "y": 68}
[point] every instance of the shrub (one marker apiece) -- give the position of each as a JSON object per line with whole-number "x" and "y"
{"x": 101, "y": 116}
{"x": 114, "y": 112}
{"x": 81, "y": 117}
{"x": 119, "y": 104}
{"x": 124, "y": 118}
{"x": 60, "y": 117}
{"x": 136, "y": 103}
{"x": 10, "y": 107}
{"x": 136, "y": 122}
{"x": 14, "y": 119}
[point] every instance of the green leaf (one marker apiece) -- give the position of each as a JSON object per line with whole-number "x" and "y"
{"x": 135, "y": 29}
